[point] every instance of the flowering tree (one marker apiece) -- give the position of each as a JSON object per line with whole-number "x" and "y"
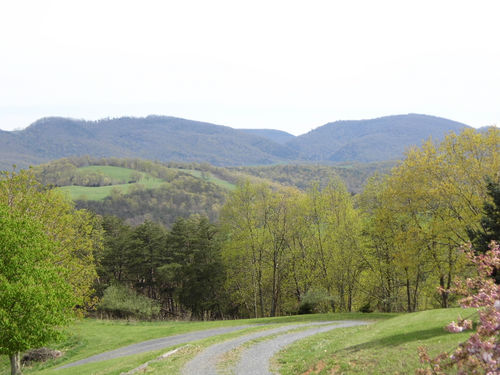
{"x": 480, "y": 354}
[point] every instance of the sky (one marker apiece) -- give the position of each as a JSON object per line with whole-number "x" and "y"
{"x": 288, "y": 65}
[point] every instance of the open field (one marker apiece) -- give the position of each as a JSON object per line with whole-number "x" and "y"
{"x": 122, "y": 175}
{"x": 387, "y": 346}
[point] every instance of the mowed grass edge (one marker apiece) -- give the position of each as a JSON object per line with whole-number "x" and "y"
{"x": 385, "y": 347}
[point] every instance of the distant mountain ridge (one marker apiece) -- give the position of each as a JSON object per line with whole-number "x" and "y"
{"x": 379, "y": 139}
{"x": 278, "y": 136}
{"x": 165, "y": 138}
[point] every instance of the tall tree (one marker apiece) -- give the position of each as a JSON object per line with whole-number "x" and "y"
{"x": 77, "y": 232}
{"x": 35, "y": 298}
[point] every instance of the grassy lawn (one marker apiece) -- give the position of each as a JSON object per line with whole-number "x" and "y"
{"x": 90, "y": 336}
{"x": 387, "y": 347}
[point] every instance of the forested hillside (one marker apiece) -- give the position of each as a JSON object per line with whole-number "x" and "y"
{"x": 380, "y": 139}
{"x": 170, "y": 139}
{"x": 137, "y": 190}
{"x": 305, "y": 176}
{"x": 153, "y": 137}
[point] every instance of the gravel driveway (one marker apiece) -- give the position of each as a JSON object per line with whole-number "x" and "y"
{"x": 255, "y": 360}
{"x": 158, "y": 344}
{"x": 205, "y": 363}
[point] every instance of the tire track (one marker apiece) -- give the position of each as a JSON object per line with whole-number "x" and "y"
{"x": 256, "y": 360}
{"x": 205, "y": 363}
{"x": 157, "y": 344}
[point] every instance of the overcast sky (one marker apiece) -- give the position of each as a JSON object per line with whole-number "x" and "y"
{"x": 289, "y": 65}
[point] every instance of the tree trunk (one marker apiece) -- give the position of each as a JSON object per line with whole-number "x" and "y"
{"x": 15, "y": 364}
{"x": 444, "y": 293}
{"x": 408, "y": 292}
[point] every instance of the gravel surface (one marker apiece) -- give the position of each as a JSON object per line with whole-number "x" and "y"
{"x": 256, "y": 360}
{"x": 158, "y": 344}
{"x": 205, "y": 363}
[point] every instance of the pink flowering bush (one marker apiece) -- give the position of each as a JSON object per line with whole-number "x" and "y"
{"x": 480, "y": 354}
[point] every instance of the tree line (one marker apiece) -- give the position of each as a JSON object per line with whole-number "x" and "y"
{"x": 394, "y": 247}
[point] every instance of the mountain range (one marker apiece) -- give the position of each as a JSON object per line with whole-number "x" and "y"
{"x": 165, "y": 138}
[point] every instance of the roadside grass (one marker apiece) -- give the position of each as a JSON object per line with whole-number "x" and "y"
{"x": 386, "y": 347}
{"x": 88, "y": 337}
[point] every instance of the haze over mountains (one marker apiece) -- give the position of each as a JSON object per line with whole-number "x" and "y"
{"x": 166, "y": 138}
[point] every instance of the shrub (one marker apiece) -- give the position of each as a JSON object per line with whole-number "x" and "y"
{"x": 122, "y": 302}
{"x": 315, "y": 301}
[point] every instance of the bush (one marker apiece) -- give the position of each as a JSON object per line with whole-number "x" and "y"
{"x": 315, "y": 301}
{"x": 122, "y": 302}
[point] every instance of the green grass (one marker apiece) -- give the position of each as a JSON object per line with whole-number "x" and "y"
{"x": 389, "y": 345}
{"x": 386, "y": 347}
{"x": 91, "y": 336}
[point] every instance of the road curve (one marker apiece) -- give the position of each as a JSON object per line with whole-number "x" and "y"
{"x": 256, "y": 360}
{"x": 205, "y": 363}
{"x": 157, "y": 344}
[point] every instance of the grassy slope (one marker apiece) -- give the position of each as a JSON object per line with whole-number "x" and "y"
{"x": 387, "y": 347}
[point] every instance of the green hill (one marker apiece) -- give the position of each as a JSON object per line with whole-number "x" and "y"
{"x": 136, "y": 190}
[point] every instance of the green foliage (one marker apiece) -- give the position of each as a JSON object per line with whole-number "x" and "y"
{"x": 280, "y": 244}
{"x": 315, "y": 301}
{"x": 305, "y": 176}
{"x": 180, "y": 269}
{"x": 490, "y": 221}
{"x": 35, "y": 299}
{"x": 417, "y": 218}
{"x": 77, "y": 232}
{"x": 122, "y": 302}
{"x": 145, "y": 191}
